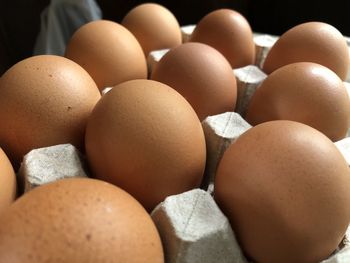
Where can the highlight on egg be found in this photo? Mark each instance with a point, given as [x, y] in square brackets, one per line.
[306, 92]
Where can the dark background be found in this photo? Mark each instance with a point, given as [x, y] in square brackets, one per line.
[20, 19]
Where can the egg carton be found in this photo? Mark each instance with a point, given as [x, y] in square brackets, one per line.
[185, 243]
[191, 225]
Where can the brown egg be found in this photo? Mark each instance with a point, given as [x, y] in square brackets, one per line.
[144, 137]
[108, 51]
[154, 26]
[78, 220]
[310, 42]
[8, 183]
[229, 32]
[202, 75]
[44, 100]
[285, 189]
[304, 92]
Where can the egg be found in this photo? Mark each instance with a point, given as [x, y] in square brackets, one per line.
[285, 188]
[44, 100]
[8, 183]
[310, 42]
[306, 92]
[144, 137]
[202, 75]
[108, 52]
[230, 33]
[78, 220]
[154, 26]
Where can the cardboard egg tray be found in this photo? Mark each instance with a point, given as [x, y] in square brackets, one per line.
[191, 225]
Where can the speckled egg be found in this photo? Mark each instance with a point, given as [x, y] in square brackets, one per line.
[285, 189]
[144, 137]
[44, 100]
[78, 220]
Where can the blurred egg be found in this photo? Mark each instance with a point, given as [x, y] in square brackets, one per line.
[304, 92]
[154, 26]
[44, 100]
[230, 33]
[285, 189]
[8, 183]
[78, 220]
[310, 42]
[202, 75]
[108, 52]
[145, 137]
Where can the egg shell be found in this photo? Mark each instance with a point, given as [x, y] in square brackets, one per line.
[230, 33]
[108, 52]
[316, 42]
[78, 220]
[8, 182]
[154, 26]
[44, 100]
[285, 189]
[306, 92]
[144, 137]
[202, 75]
